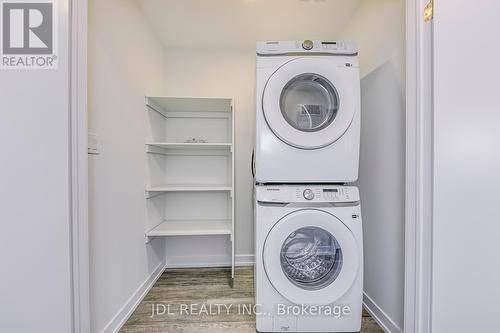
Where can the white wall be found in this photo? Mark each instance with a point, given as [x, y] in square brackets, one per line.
[238, 24]
[382, 186]
[125, 64]
[35, 290]
[231, 73]
[466, 228]
[378, 27]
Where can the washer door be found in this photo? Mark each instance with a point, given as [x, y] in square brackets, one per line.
[311, 257]
[309, 103]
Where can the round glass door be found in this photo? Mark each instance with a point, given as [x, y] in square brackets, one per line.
[309, 102]
[311, 258]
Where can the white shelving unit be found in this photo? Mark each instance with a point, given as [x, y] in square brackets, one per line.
[191, 155]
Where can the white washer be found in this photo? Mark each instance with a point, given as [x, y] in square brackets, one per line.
[308, 112]
[309, 255]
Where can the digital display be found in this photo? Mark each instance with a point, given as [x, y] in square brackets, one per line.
[329, 43]
[330, 190]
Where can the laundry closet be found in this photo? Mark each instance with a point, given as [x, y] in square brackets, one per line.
[172, 112]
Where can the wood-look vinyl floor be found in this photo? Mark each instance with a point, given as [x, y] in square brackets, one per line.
[207, 289]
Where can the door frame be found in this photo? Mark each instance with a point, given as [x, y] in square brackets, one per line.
[419, 154]
[418, 208]
[78, 137]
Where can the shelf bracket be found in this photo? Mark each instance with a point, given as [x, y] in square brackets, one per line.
[150, 195]
[148, 239]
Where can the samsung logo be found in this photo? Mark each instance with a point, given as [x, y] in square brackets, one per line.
[273, 189]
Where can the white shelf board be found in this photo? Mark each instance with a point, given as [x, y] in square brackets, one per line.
[182, 145]
[191, 228]
[190, 104]
[189, 188]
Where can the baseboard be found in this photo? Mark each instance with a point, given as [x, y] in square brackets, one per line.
[209, 261]
[384, 321]
[131, 304]
[244, 260]
[119, 319]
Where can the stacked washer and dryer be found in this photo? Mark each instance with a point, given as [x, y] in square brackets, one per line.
[308, 232]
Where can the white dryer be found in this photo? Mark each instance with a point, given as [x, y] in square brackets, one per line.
[309, 258]
[308, 112]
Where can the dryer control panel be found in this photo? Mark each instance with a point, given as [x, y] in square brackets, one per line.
[306, 193]
[307, 46]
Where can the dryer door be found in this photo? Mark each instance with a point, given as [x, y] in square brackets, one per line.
[311, 257]
[309, 102]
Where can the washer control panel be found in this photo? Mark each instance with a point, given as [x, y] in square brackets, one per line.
[306, 193]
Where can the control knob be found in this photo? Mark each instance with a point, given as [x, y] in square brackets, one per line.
[308, 194]
[308, 44]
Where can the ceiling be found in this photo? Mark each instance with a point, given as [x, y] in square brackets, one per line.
[240, 23]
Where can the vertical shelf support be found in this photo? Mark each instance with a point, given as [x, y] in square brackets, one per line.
[233, 176]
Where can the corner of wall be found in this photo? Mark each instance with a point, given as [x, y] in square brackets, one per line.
[127, 309]
[385, 322]
[126, 62]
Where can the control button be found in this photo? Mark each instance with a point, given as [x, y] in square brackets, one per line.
[308, 194]
[307, 44]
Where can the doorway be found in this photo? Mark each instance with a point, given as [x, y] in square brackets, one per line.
[180, 80]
